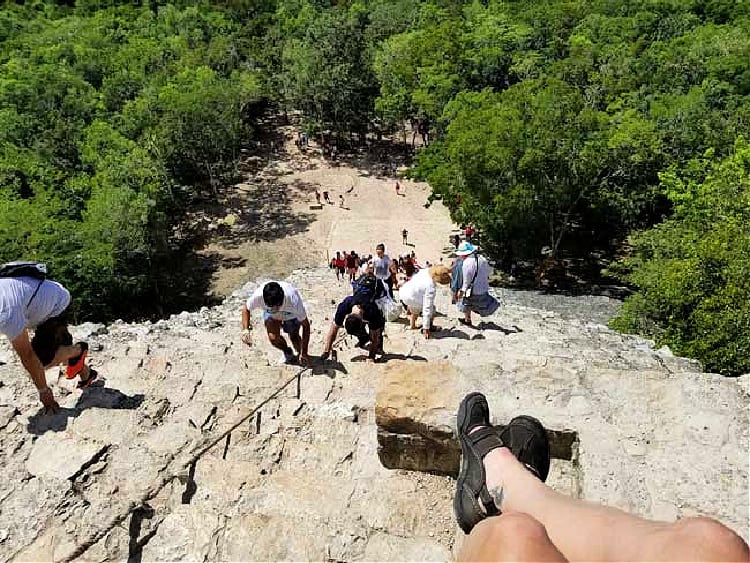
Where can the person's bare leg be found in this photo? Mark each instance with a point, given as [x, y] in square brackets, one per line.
[63, 354]
[512, 536]
[273, 328]
[296, 340]
[586, 531]
[412, 320]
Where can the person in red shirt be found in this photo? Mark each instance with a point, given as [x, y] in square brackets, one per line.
[340, 266]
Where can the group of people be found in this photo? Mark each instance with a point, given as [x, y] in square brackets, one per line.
[500, 502]
[374, 281]
[327, 198]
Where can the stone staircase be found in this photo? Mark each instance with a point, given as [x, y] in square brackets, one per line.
[146, 467]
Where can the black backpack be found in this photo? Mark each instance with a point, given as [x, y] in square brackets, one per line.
[22, 268]
[367, 289]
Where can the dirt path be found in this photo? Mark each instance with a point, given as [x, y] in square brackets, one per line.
[307, 235]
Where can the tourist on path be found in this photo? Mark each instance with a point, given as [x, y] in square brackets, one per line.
[283, 308]
[42, 304]
[382, 264]
[398, 188]
[360, 315]
[509, 514]
[340, 262]
[405, 237]
[341, 200]
[418, 296]
[326, 198]
[475, 290]
[352, 263]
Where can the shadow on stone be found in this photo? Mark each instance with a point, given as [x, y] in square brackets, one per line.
[449, 333]
[319, 367]
[135, 547]
[390, 356]
[420, 447]
[93, 397]
[491, 325]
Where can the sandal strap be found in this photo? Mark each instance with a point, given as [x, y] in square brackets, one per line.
[484, 440]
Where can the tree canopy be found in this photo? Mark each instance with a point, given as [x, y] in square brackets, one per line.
[581, 126]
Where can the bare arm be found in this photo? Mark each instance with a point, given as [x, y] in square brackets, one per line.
[245, 317]
[305, 336]
[428, 306]
[22, 346]
[332, 332]
[29, 359]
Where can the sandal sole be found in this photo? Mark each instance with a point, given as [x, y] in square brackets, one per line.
[464, 501]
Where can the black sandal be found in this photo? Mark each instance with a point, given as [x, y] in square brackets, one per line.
[527, 439]
[524, 436]
[471, 487]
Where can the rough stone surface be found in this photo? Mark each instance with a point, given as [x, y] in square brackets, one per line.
[630, 419]
[302, 478]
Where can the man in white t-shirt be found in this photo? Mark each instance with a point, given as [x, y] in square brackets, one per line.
[282, 308]
[30, 303]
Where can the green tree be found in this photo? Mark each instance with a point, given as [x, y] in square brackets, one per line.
[690, 271]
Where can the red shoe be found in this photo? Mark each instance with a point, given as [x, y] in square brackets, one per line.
[75, 365]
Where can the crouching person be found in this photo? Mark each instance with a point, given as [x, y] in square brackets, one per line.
[283, 309]
[361, 318]
[28, 302]
[418, 296]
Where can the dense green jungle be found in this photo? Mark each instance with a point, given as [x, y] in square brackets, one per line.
[589, 128]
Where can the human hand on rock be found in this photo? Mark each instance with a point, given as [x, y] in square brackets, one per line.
[48, 400]
[247, 337]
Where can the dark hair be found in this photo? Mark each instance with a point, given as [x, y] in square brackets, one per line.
[273, 294]
[381, 246]
[408, 268]
[354, 325]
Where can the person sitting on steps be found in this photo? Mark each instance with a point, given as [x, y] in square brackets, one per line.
[509, 514]
[283, 308]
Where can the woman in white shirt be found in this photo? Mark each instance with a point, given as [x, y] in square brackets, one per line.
[418, 295]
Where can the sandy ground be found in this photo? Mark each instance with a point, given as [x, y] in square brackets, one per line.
[372, 213]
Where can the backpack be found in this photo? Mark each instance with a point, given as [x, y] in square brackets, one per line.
[365, 288]
[21, 268]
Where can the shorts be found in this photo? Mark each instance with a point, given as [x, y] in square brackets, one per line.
[483, 304]
[416, 310]
[290, 327]
[49, 336]
[341, 270]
